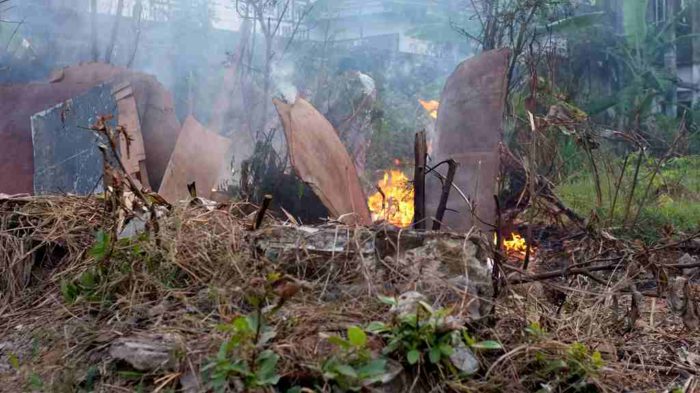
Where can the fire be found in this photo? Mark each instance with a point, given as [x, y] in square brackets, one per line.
[432, 107]
[516, 246]
[396, 205]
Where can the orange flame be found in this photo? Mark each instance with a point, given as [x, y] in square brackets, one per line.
[516, 246]
[396, 205]
[431, 106]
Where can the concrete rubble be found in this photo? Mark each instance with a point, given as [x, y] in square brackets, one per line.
[147, 352]
[448, 266]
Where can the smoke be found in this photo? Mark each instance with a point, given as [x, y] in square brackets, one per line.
[283, 74]
[190, 44]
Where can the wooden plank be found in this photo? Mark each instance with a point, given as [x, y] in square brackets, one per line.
[421, 156]
[133, 157]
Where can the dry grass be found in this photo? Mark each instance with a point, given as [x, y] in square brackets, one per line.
[197, 271]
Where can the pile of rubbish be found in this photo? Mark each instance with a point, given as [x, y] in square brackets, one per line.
[48, 147]
[109, 285]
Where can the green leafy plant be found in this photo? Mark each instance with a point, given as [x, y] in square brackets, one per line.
[91, 284]
[13, 360]
[535, 330]
[102, 247]
[35, 383]
[88, 286]
[426, 336]
[240, 356]
[354, 365]
[561, 367]
[571, 370]
[245, 358]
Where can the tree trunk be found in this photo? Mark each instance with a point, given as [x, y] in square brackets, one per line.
[695, 31]
[136, 16]
[93, 28]
[268, 80]
[670, 58]
[115, 32]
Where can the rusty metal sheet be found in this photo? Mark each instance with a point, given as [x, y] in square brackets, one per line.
[320, 160]
[159, 124]
[200, 156]
[17, 105]
[469, 130]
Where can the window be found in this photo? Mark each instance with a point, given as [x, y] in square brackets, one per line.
[659, 10]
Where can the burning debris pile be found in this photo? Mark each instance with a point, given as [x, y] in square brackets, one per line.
[136, 289]
[516, 246]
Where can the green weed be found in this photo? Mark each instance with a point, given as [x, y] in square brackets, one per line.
[425, 337]
[354, 366]
[239, 357]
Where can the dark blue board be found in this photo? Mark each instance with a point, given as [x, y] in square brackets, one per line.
[67, 159]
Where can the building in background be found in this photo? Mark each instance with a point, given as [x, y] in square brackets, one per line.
[391, 25]
[681, 52]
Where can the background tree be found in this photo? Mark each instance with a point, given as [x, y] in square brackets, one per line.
[269, 16]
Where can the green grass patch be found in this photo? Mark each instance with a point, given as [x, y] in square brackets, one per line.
[669, 198]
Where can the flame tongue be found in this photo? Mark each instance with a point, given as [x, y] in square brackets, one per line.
[516, 246]
[431, 106]
[396, 205]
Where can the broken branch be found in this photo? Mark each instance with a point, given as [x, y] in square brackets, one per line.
[447, 185]
[421, 155]
[260, 215]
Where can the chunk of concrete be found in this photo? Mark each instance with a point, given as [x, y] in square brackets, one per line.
[147, 352]
[464, 360]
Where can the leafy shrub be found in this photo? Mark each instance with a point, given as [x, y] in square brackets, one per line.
[559, 367]
[426, 336]
[240, 356]
[354, 366]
